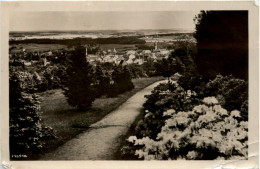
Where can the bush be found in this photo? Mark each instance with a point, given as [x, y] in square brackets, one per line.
[122, 81]
[207, 132]
[112, 90]
[136, 71]
[193, 82]
[162, 100]
[197, 121]
[233, 91]
[26, 132]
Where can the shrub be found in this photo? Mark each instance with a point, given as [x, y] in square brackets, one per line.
[26, 132]
[122, 81]
[207, 132]
[136, 71]
[233, 91]
[102, 81]
[193, 82]
[162, 100]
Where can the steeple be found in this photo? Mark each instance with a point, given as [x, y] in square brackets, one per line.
[155, 46]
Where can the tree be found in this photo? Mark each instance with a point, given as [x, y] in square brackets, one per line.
[126, 83]
[26, 132]
[222, 43]
[122, 81]
[79, 86]
[167, 68]
[103, 80]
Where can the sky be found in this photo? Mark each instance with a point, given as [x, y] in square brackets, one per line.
[65, 21]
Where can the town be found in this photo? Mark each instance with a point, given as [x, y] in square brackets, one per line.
[113, 55]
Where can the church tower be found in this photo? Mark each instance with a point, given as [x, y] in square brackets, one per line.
[155, 46]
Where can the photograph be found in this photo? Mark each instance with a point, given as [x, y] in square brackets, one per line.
[129, 85]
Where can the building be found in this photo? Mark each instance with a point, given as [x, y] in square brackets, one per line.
[130, 52]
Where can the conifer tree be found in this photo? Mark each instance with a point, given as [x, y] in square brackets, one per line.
[79, 86]
[26, 132]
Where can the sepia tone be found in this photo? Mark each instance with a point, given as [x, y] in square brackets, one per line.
[129, 85]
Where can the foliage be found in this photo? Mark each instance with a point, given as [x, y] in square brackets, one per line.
[26, 132]
[93, 48]
[162, 100]
[167, 67]
[233, 93]
[222, 43]
[122, 81]
[180, 124]
[193, 82]
[136, 71]
[144, 47]
[183, 56]
[149, 68]
[207, 132]
[79, 85]
[102, 81]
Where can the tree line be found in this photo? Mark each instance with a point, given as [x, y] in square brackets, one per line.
[72, 42]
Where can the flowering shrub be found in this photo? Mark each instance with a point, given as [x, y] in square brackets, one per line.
[208, 131]
[232, 93]
[159, 107]
[194, 82]
[193, 119]
[162, 100]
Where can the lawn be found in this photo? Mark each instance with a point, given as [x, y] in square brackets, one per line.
[67, 122]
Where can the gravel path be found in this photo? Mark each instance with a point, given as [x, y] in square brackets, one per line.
[101, 141]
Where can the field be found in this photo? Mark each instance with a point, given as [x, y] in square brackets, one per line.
[118, 47]
[67, 122]
[38, 47]
[32, 47]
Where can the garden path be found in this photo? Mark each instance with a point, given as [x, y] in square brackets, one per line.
[102, 140]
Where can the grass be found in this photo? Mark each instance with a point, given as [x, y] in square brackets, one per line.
[67, 122]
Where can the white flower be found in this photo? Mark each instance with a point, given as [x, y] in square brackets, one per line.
[210, 100]
[201, 109]
[244, 124]
[219, 110]
[148, 114]
[169, 112]
[189, 93]
[192, 155]
[132, 139]
[235, 113]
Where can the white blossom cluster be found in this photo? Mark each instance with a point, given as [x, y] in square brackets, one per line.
[208, 127]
